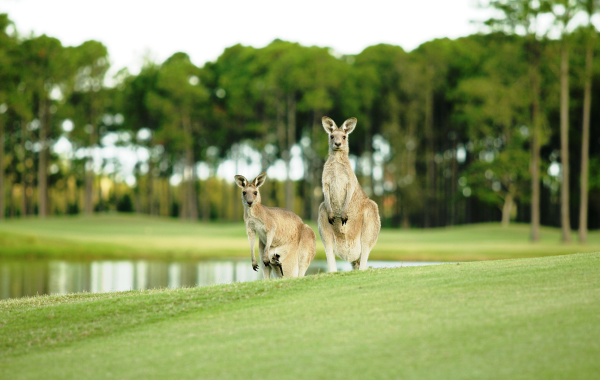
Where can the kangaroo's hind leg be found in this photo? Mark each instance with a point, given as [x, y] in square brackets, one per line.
[370, 232]
[326, 232]
[288, 266]
[265, 260]
[306, 249]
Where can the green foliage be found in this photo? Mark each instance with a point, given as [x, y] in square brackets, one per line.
[594, 173]
[125, 204]
[88, 97]
[178, 101]
[520, 16]
[507, 173]
[477, 91]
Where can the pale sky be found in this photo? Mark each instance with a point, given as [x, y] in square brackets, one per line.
[132, 29]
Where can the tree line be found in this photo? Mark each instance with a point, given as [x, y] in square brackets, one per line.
[457, 131]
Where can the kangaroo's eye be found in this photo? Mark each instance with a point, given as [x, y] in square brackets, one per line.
[332, 137]
[256, 193]
[243, 192]
[344, 137]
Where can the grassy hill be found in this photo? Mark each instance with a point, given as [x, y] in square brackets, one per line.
[130, 236]
[509, 319]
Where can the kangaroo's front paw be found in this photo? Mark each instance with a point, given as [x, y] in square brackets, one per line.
[330, 218]
[344, 218]
[255, 266]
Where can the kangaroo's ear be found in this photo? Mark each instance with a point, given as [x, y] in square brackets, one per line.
[328, 124]
[241, 181]
[260, 179]
[349, 125]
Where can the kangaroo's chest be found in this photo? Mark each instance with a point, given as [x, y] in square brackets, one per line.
[336, 176]
[259, 228]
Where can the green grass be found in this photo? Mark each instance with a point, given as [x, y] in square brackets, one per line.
[130, 236]
[509, 319]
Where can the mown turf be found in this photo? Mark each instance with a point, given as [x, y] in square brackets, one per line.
[510, 319]
[130, 236]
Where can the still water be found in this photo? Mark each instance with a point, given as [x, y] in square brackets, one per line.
[19, 278]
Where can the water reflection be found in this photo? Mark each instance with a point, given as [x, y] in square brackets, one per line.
[21, 278]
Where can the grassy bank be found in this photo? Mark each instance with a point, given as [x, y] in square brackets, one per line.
[517, 319]
[130, 236]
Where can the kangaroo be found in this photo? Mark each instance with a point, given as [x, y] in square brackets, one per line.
[349, 222]
[286, 245]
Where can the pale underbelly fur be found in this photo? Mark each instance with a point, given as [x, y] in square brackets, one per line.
[337, 191]
[346, 247]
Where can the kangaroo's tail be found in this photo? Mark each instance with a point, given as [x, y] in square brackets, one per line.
[307, 249]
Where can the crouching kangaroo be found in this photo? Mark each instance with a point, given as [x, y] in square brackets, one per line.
[286, 245]
[349, 222]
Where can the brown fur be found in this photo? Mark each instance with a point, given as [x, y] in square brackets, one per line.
[286, 245]
[349, 222]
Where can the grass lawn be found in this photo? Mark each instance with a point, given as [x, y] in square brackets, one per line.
[131, 236]
[508, 319]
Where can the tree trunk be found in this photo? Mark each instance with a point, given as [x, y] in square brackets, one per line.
[237, 206]
[150, 189]
[316, 168]
[44, 116]
[291, 134]
[24, 172]
[100, 199]
[429, 151]
[281, 140]
[585, 145]
[224, 196]
[506, 209]
[66, 194]
[88, 200]
[191, 186]
[137, 201]
[11, 200]
[535, 158]
[454, 187]
[190, 207]
[2, 207]
[564, 142]
[205, 200]
[410, 169]
[182, 199]
[88, 207]
[169, 194]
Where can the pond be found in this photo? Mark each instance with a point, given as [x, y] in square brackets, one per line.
[19, 278]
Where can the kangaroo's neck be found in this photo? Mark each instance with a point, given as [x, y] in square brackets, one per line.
[338, 156]
[254, 211]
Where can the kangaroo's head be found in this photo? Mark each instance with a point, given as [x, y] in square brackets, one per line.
[250, 193]
[338, 137]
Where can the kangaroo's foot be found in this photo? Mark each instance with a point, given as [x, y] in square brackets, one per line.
[255, 265]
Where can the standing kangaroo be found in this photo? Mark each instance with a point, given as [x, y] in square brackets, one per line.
[349, 222]
[285, 243]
